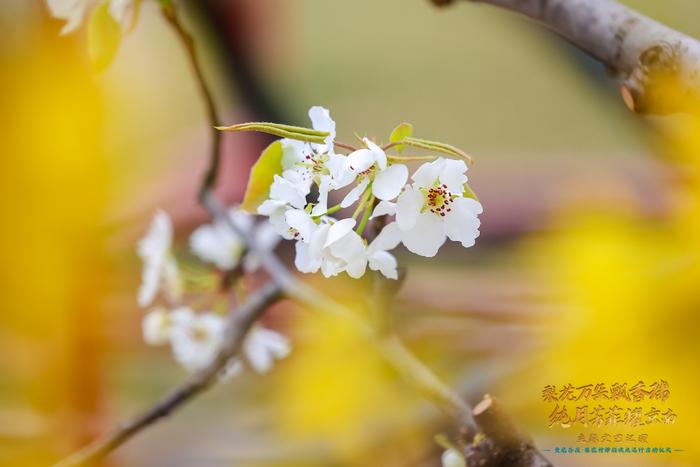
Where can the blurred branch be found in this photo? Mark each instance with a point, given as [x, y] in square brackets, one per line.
[659, 67]
[239, 322]
[171, 14]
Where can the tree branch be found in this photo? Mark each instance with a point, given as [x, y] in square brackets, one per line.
[170, 13]
[658, 67]
[239, 322]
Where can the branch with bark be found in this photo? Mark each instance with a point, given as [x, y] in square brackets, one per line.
[658, 67]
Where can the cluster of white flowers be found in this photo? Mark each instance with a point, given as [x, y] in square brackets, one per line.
[74, 11]
[197, 338]
[435, 204]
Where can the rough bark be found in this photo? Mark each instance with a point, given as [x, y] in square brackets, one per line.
[658, 67]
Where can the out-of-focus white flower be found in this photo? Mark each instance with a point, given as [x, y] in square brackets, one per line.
[333, 249]
[435, 207]
[196, 339]
[159, 266]
[217, 243]
[263, 346]
[73, 12]
[156, 327]
[452, 458]
[371, 163]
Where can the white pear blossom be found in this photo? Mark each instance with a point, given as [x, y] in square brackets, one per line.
[156, 327]
[74, 11]
[217, 243]
[452, 458]
[263, 346]
[333, 248]
[196, 339]
[159, 267]
[372, 162]
[435, 207]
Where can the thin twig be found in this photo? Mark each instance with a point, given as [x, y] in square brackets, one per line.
[239, 322]
[349, 147]
[170, 12]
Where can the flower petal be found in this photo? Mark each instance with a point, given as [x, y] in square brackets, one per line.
[323, 189]
[360, 160]
[385, 263]
[284, 190]
[408, 207]
[321, 120]
[300, 221]
[426, 237]
[383, 208]
[388, 239]
[388, 183]
[354, 194]
[427, 174]
[378, 153]
[462, 223]
[339, 230]
[453, 175]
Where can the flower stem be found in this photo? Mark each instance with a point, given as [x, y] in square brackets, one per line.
[331, 210]
[363, 200]
[365, 216]
[349, 147]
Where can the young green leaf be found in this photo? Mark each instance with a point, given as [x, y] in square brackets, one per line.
[103, 36]
[285, 131]
[261, 177]
[469, 193]
[401, 132]
[437, 147]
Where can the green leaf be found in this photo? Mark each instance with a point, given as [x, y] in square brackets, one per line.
[437, 147]
[401, 132]
[103, 36]
[278, 129]
[469, 193]
[261, 177]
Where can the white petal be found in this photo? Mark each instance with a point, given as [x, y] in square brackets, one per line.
[154, 249]
[323, 189]
[339, 230]
[453, 175]
[426, 237]
[232, 369]
[354, 194]
[321, 120]
[156, 327]
[388, 239]
[303, 260]
[388, 183]
[292, 152]
[122, 11]
[383, 208]
[428, 173]
[379, 154]
[73, 11]
[340, 173]
[256, 352]
[217, 244]
[301, 221]
[348, 248]
[408, 207]
[385, 263]
[461, 223]
[357, 267]
[474, 205]
[284, 190]
[360, 160]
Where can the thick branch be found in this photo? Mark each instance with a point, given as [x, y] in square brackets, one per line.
[659, 67]
[238, 325]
